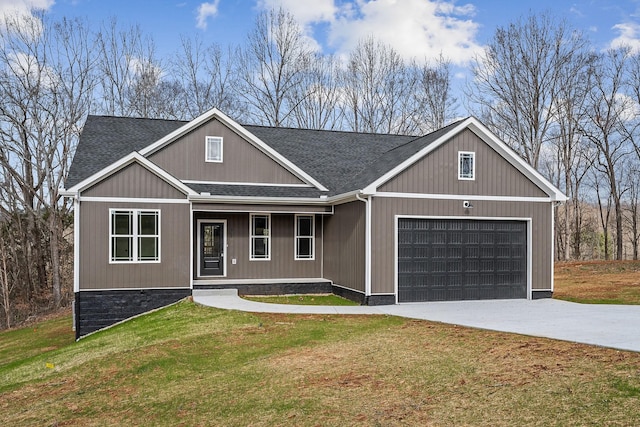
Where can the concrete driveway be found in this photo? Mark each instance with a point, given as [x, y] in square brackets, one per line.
[615, 326]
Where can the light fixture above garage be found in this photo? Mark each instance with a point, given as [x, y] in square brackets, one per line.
[467, 204]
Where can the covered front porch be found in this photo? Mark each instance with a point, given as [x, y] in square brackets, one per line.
[259, 249]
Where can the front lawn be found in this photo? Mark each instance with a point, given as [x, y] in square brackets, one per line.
[193, 365]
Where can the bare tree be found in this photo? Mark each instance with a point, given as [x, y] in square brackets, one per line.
[45, 92]
[205, 77]
[604, 127]
[436, 105]
[270, 67]
[379, 90]
[316, 98]
[518, 78]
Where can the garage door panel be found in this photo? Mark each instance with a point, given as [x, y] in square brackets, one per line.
[442, 259]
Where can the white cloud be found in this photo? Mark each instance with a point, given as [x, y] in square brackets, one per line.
[629, 35]
[205, 11]
[19, 12]
[414, 28]
[421, 29]
[23, 7]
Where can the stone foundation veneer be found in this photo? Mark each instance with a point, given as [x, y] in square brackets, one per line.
[95, 310]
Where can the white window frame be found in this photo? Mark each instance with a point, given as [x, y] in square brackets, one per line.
[134, 236]
[472, 156]
[207, 157]
[253, 236]
[298, 237]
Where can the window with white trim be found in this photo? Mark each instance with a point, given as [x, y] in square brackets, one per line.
[466, 165]
[260, 237]
[134, 235]
[213, 149]
[305, 237]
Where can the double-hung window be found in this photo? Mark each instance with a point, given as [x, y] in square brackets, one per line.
[304, 237]
[134, 235]
[213, 149]
[260, 236]
[466, 165]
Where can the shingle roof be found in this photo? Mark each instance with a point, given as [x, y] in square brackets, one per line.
[341, 161]
[106, 139]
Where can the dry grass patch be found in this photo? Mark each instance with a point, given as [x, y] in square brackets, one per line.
[604, 282]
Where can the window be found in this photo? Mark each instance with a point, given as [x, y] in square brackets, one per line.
[260, 237]
[466, 165]
[134, 235]
[213, 149]
[304, 237]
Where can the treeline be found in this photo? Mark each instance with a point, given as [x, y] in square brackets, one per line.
[568, 110]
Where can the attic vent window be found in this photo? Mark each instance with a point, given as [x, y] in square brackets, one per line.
[213, 149]
[466, 165]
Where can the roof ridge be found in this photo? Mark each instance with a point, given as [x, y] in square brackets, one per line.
[111, 116]
[328, 130]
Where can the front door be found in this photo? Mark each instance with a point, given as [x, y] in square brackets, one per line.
[211, 249]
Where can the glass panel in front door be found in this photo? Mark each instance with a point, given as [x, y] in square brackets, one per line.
[212, 249]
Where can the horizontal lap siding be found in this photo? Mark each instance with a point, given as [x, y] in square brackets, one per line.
[282, 264]
[344, 246]
[383, 232]
[97, 273]
[242, 162]
[437, 173]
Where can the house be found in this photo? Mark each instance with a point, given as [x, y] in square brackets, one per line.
[164, 207]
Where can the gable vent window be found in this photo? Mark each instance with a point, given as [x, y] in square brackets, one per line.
[134, 235]
[466, 165]
[213, 149]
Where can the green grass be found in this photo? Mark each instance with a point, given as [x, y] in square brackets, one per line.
[302, 299]
[18, 344]
[192, 365]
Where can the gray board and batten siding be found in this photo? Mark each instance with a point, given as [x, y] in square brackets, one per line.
[344, 246]
[241, 161]
[437, 173]
[97, 273]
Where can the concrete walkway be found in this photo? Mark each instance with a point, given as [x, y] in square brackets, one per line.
[615, 326]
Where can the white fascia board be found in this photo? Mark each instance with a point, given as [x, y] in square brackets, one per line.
[506, 152]
[373, 187]
[257, 142]
[490, 138]
[133, 157]
[257, 200]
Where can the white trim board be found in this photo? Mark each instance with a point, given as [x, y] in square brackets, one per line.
[97, 199]
[462, 197]
[127, 160]
[253, 184]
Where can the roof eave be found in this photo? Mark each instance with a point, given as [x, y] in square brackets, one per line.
[125, 161]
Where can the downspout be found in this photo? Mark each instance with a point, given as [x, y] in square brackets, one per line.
[76, 265]
[367, 247]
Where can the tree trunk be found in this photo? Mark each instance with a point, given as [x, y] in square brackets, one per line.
[54, 225]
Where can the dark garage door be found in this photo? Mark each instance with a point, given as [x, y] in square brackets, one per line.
[453, 259]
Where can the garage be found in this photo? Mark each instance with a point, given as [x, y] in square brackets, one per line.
[461, 259]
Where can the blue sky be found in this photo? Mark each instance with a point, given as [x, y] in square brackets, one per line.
[415, 28]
